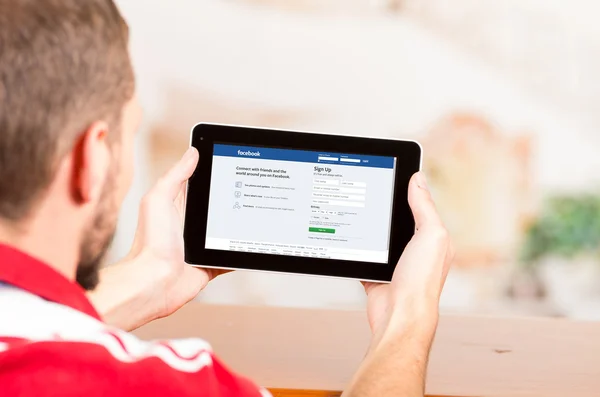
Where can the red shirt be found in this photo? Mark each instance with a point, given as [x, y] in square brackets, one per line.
[54, 343]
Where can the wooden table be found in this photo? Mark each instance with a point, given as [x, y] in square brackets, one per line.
[303, 393]
[290, 350]
[306, 393]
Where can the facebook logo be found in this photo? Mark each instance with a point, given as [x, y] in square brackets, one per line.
[248, 153]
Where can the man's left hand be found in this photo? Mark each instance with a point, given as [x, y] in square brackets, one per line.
[154, 281]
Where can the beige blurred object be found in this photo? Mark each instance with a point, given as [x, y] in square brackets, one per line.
[481, 181]
[170, 137]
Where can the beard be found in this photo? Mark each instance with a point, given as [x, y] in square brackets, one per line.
[98, 236]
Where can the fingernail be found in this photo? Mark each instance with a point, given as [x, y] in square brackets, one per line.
[188, 154]
[422, 181]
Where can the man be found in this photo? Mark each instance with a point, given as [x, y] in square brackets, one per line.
[68, 113]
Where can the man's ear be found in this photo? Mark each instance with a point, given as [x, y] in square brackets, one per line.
[91, 162]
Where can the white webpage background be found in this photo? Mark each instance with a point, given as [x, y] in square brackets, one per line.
[368, 230]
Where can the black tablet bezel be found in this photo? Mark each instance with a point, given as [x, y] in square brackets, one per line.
[407, 153]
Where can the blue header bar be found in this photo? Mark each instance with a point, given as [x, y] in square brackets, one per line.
[303, 156]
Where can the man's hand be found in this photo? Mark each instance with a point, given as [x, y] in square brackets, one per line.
[403, 315]
[154, 281]
[420, 274]
[158, 243]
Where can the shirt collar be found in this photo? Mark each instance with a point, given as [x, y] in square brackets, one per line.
[32, 275]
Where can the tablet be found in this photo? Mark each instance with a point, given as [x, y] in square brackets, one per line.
[299, 202]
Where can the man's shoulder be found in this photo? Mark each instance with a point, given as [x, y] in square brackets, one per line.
[102, 364]
[26, 319]
[116, 367]
[48, 349]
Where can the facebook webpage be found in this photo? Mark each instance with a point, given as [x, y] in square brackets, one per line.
[300, 203]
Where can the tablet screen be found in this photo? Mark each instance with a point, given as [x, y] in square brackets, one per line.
[300, 203]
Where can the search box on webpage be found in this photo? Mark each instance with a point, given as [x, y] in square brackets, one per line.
[321, 158]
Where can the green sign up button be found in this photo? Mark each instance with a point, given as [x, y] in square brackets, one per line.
[321, 230]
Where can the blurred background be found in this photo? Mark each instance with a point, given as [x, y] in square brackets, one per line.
[504, 96]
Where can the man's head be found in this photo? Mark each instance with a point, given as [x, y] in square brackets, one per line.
[68, 114]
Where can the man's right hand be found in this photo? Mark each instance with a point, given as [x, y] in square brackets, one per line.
[403, 315]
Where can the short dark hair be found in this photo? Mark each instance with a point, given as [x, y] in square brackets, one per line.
[63, 65]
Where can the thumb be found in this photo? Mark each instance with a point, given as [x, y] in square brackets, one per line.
[421, 203]
[171, 182]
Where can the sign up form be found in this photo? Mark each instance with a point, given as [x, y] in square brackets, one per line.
[300, 203]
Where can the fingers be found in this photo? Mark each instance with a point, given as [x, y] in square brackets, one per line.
[172, 182]
[447, 263]
[367, 285]
[180, 201]
[431, 247]
[421, 203]
[214, 273]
